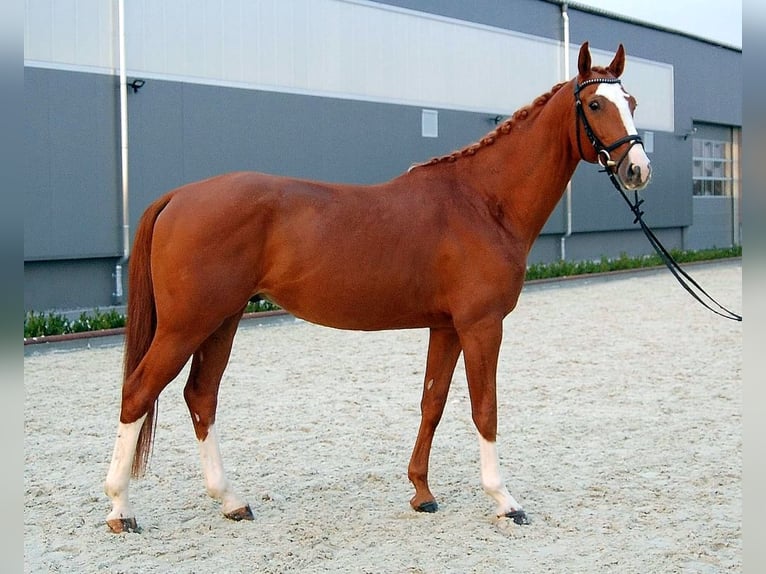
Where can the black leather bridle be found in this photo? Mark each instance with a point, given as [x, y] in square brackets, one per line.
[610, 167]
[603, 151]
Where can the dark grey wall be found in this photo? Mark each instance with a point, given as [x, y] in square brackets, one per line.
[68, 283]
[714, 224]
[185, 132]
[594, 245]
[181, 132]
[72, 169]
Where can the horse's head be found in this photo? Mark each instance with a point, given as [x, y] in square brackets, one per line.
[605, 129]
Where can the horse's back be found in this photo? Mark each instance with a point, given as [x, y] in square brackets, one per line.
[342, 255]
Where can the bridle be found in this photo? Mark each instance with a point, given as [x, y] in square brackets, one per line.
[603, 151]
[610, 167]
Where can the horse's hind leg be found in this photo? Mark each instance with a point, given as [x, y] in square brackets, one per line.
[163, 361]
[122, 517]
[443, 352]
[201, 394]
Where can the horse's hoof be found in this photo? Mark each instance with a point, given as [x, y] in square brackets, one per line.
[119, 525]
[244, 513]
[518, 516]
[429, 506]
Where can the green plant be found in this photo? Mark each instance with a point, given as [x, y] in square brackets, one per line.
[98, 321]
[260, 306]
[42, 325]
[623, 262]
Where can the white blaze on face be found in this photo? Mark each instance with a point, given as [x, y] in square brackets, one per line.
[615, 94]
[636, 156]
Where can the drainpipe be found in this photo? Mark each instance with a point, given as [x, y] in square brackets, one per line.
[568, 193]
[117, 296]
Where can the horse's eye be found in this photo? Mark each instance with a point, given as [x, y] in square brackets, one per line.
[594, 105]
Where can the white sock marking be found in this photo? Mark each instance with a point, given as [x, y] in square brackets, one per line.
[216, 483]
[491, 481]
[118, 478]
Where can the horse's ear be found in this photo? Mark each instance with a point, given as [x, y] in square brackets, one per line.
[618, 62]
[583, 61]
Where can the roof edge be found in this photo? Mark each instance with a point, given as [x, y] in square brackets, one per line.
[630, 20]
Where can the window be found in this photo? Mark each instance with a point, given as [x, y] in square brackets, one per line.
[713, 169]
[429, 123]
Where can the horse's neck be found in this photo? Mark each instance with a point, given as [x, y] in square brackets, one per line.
[526, 171]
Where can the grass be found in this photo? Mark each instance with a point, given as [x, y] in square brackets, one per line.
[623, 262]
[46, 324]
[43, 325]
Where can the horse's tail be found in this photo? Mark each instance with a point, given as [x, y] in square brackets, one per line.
[141, 321]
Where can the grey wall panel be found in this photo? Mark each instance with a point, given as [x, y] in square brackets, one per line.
[547, 248]
[595, 245]
[588, 246]
[156, 147]
[186, 132]
[597, 206]
[713, 223]
[71, 146]
[67, 284]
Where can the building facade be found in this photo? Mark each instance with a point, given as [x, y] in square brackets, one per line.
[121, 110]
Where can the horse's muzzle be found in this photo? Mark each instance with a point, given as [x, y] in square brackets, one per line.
[635, 171]
[638, 176]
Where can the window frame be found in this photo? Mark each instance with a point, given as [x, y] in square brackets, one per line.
[713, 169]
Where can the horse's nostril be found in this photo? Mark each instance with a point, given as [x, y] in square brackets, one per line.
[634, 171]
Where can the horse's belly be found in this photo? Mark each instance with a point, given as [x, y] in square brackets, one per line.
[354, 303]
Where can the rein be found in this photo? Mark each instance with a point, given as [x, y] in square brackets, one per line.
[610, 167]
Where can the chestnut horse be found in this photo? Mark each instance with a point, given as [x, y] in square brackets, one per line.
[442, 246]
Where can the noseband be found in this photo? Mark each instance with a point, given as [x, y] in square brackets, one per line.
[602, 150]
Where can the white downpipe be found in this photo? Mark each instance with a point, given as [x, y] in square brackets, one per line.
[568, 192]
[117, 296]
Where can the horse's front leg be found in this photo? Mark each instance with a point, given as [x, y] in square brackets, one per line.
[443, 352]
[481, 347]
[201, 394]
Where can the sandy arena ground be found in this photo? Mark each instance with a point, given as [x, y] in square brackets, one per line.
[619, 430]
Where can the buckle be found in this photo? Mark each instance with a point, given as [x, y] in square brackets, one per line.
[605, 160]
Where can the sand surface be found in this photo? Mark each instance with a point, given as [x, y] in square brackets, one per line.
[619, 430]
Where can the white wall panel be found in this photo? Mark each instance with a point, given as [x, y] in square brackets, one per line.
[339, 48]
[76, 33]
[651, 83]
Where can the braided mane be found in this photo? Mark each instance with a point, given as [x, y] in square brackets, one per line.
[503, 129]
